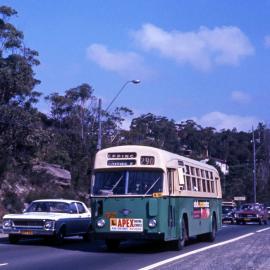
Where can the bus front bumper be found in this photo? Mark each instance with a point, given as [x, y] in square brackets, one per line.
[127, 236]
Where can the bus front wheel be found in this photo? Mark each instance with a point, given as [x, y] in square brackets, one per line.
[180, 243]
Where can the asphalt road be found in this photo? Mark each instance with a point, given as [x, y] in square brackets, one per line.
[236, 247]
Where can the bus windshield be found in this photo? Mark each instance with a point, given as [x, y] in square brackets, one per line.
[128, 182]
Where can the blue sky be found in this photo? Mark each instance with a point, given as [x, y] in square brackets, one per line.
[202, 60]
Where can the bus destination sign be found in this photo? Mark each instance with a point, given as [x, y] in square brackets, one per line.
[122, 155]
[121, 162]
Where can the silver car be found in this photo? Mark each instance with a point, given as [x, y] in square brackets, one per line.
[49, 219]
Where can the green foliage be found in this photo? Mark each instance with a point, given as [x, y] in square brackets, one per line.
[68, 137]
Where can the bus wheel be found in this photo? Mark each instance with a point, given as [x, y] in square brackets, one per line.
[180, 243]
[112, 244]
[211, 236]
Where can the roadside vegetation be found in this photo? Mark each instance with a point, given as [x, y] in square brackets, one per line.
[68, 135]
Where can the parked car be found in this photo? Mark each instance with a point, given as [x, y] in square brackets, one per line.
[251, 212]
[49, 219]
[228, 213]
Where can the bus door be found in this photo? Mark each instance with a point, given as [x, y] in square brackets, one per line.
[171, 205]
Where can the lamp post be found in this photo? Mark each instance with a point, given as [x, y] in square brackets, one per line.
[254, 167]
[99, 142]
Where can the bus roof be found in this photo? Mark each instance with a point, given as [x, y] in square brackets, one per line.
[165, 156]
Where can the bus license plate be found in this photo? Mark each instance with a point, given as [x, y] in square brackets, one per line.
[126, 225]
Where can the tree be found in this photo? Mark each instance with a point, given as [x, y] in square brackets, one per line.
[16, 64]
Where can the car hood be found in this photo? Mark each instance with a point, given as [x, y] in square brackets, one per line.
[34, 215]
[248, 212]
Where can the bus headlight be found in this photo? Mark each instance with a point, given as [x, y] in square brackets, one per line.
[49, 225]
[152, 223]
[7, 223]
[101, 223]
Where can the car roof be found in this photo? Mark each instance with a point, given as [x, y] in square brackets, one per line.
[57, 200]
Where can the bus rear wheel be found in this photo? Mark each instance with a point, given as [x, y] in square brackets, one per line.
[211, 236]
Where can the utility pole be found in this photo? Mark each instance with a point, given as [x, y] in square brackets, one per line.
[254, 166]
[99, 141]
[99, 125]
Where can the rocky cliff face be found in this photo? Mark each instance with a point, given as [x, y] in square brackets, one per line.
[43, 180]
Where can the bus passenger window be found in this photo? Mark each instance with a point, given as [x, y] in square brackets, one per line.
[194, 185]
[192, 171]
[199, 184]
[208, 185]
[204, 185]
[198, 172]
[207, 174]
[211, 175]
[212, 187]
[187, 170]
[202, 173]
[188, 183]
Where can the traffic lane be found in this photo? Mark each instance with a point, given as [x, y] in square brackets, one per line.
[251, 252]
[36, 254]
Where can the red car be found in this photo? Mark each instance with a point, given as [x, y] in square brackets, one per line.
[251, 212]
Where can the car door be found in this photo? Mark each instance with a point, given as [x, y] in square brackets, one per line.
[84, 218]
[73, 220]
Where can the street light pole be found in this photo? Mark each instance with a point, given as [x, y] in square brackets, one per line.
[99, 143]
[254, 167]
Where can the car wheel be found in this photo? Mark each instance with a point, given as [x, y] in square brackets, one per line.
[59, 236]
[112, 244]
[260, 222]
[13, 239]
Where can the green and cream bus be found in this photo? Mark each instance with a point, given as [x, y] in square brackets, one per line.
[140, 192]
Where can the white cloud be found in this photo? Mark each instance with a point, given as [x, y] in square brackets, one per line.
[220, 121]
[202, 49]
[267, 41]
[124, 63]
[240, 97]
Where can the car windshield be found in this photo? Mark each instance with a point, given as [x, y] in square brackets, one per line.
[49, 206]
[128, 182]
[227, 209]
[250, 207]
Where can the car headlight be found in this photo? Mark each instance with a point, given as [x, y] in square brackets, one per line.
[49, 225]
[7, 223]
[101, 223]
[152, 223]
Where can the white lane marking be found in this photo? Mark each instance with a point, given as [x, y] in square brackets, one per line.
[152, 266]
[3, 264]
[262, 230]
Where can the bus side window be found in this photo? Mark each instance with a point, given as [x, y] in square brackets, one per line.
[181, 179]
[170, 177]
[188, 184]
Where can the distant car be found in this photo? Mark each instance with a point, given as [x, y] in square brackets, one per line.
[251, 212]
[49, 219]
[268, 211]
[228, 213]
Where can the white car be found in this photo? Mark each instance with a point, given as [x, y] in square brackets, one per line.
[49, 218]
